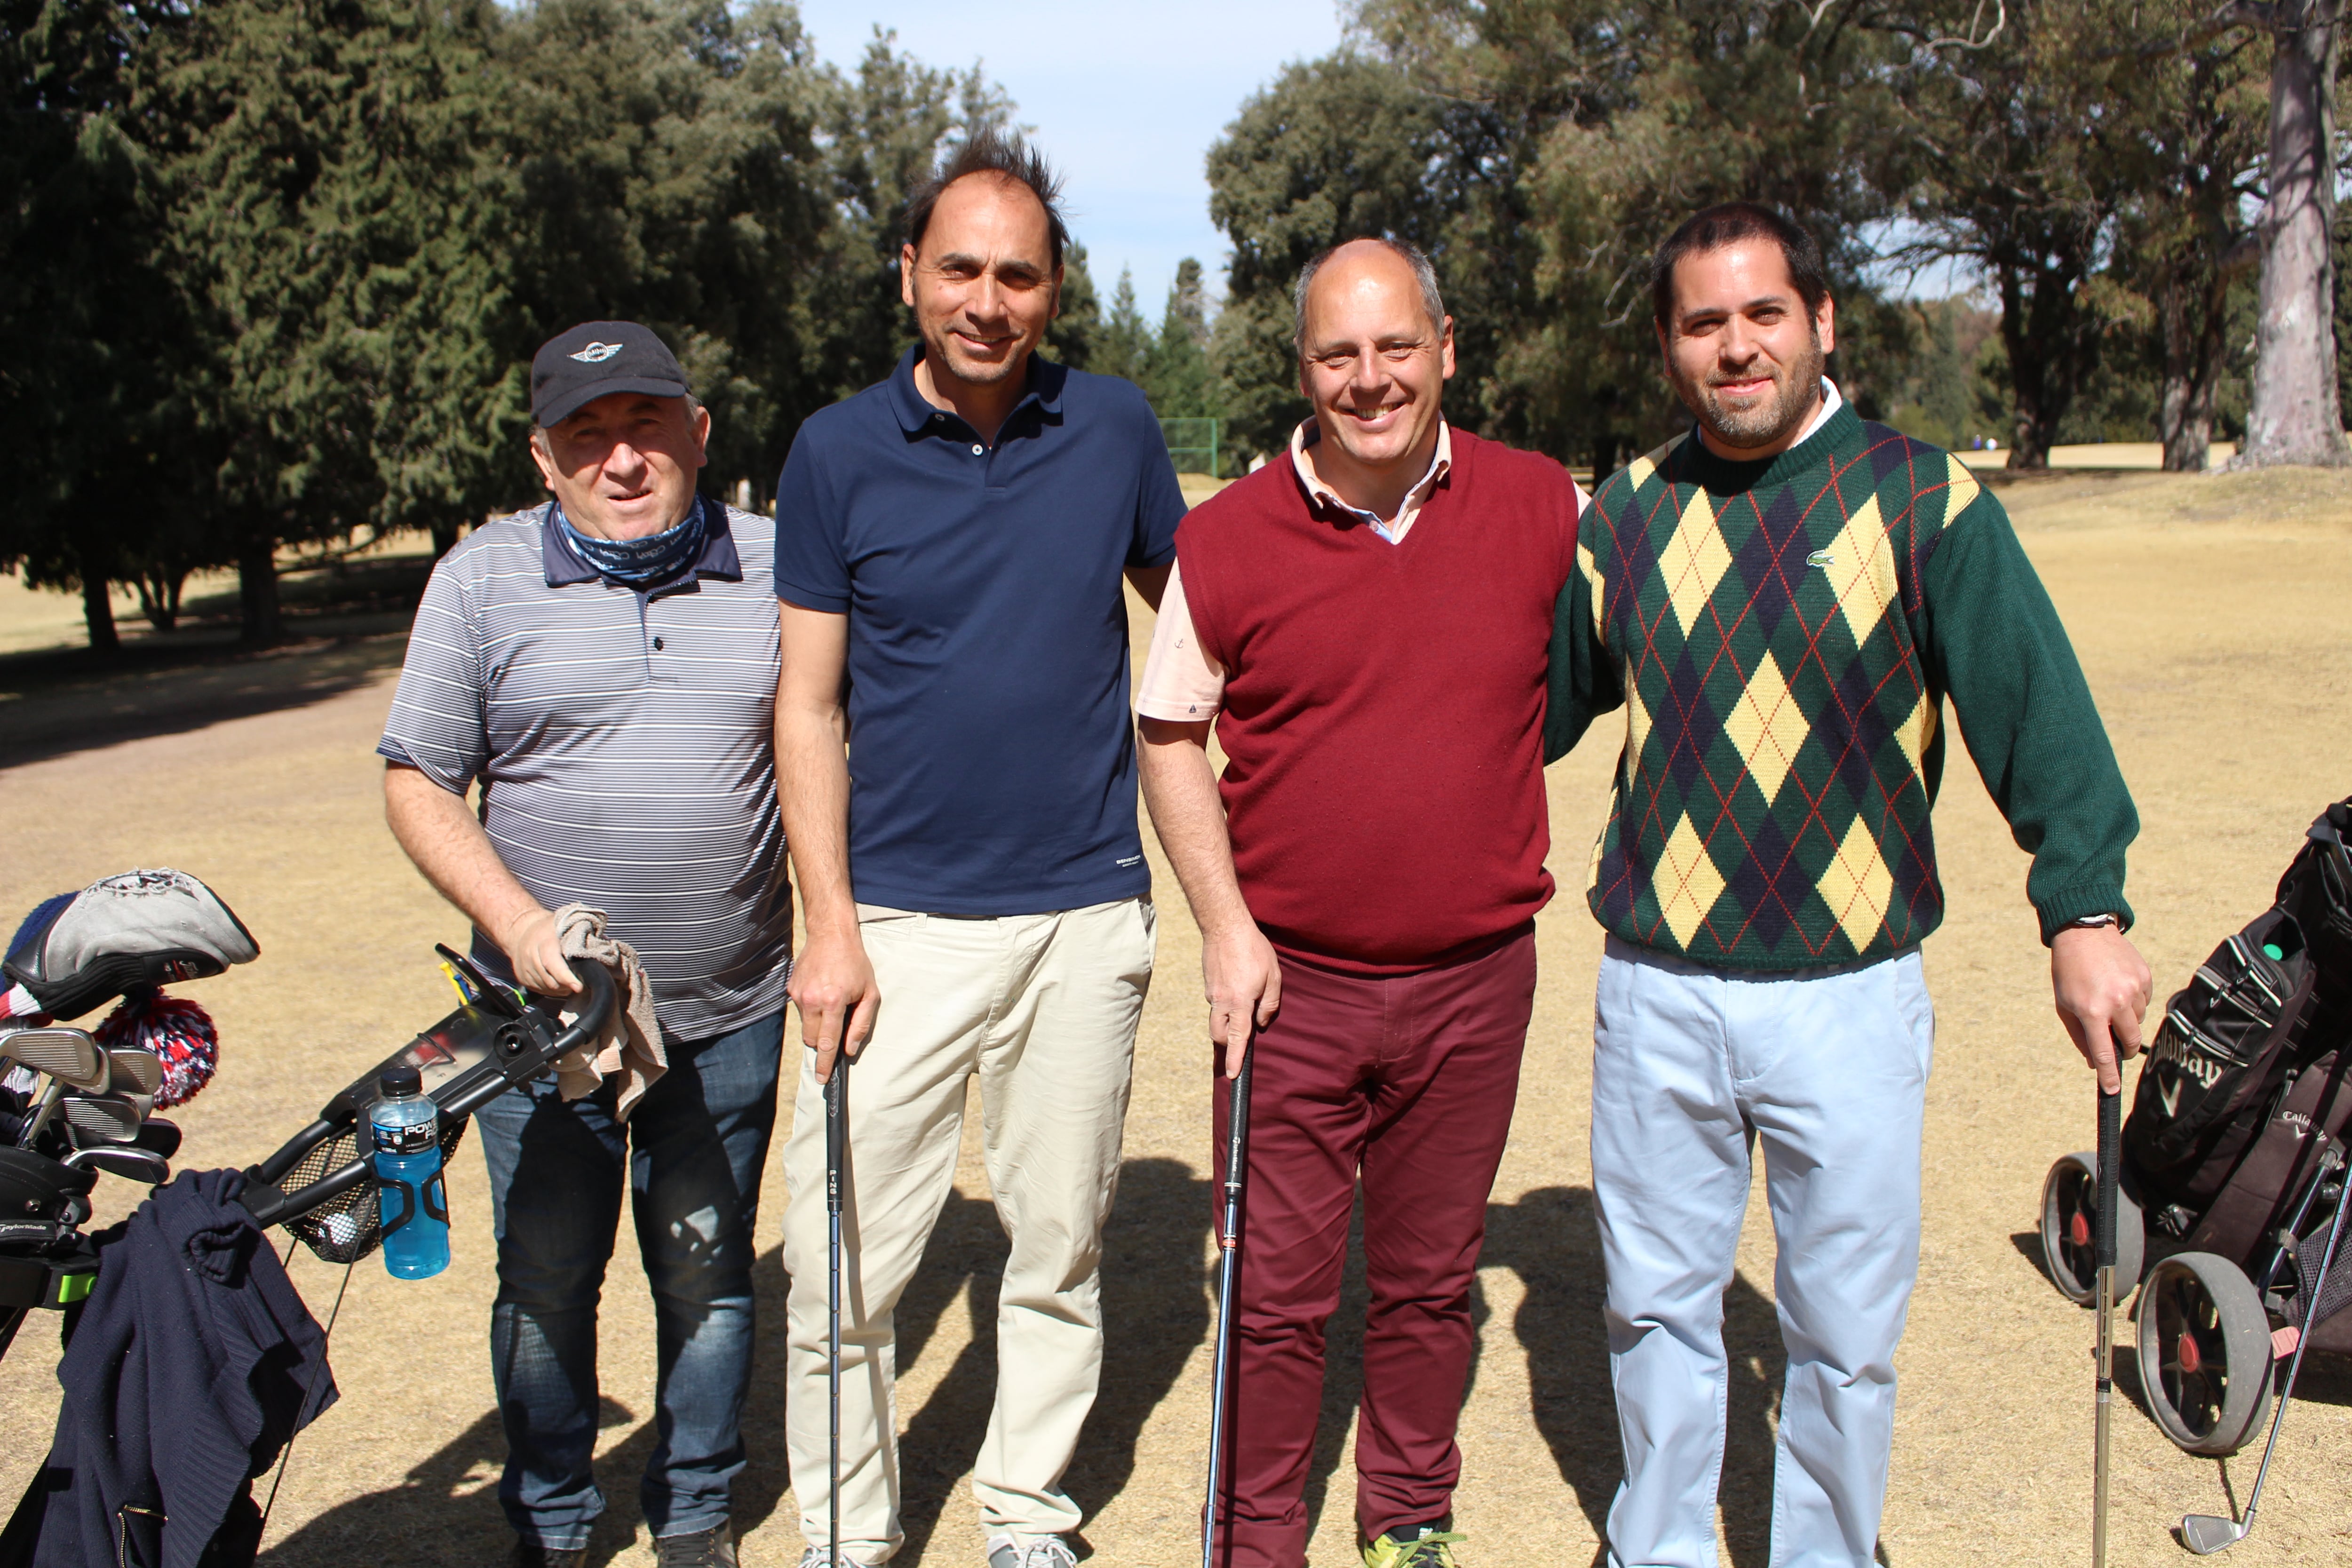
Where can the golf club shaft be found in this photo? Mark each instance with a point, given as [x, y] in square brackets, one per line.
[2110, 1188]
[2302, 1343]
[1229, 1242]
[51, 1098]
[837, 1142]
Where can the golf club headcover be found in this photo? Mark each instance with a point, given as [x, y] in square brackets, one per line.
[139, 929]
[174, 1030]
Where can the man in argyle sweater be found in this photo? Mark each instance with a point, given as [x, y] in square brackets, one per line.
[1781, 599]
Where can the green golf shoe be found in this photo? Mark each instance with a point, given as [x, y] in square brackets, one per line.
[1414, 1546]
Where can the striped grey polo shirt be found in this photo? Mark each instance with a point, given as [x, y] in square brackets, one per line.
[626, 746]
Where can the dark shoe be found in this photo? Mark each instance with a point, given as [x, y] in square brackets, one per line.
[713, 1548]
[531, 1555]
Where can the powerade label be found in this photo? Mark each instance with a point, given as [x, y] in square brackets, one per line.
[414, 1140]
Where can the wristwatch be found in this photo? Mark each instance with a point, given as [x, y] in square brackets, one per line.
[2087, 922]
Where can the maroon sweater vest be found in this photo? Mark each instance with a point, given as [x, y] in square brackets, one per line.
[1385, 703]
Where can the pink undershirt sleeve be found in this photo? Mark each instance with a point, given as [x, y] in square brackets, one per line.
[1181, 683]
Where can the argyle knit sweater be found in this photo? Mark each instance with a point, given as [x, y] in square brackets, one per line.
[1783, 635]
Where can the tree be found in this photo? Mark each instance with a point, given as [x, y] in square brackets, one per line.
[1074, 337]
[1177, 376]
[1126, 341]
[91, 338]
[2295, 416]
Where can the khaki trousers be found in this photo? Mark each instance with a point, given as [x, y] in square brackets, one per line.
[1043, 1008]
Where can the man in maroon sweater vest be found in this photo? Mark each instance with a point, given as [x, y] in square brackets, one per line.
[1366, 624]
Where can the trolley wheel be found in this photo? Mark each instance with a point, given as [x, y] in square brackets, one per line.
[2204, 1353]
[2070, 1227]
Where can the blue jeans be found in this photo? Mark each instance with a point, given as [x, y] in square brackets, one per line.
[1691, 1069]
[693, 1150]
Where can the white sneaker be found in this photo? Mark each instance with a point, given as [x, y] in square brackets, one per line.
[1038, 1552]
[814, 1557]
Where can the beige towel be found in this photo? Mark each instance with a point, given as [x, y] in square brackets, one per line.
[631, 1042]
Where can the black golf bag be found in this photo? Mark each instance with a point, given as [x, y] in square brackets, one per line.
[2248, 1083]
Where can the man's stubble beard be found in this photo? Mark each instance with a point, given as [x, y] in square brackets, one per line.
[1782, 414]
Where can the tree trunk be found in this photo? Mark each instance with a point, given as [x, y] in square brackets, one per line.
[444, 536]
[257, 591]
[2294, 418]
[2034, 422]
[97, 610]
[2193, 321]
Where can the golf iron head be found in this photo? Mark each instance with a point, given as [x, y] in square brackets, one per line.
[2205, 1533]
[141, 1165]
[69, 1056]
[135, 1072]
[93, 1118]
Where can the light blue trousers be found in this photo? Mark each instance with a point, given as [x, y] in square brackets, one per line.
[1691, 1067]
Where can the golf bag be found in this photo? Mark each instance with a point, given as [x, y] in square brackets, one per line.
[2248, 1081]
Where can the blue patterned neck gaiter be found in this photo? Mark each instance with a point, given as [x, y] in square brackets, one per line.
[640, 563]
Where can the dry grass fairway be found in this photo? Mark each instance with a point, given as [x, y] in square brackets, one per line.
[2211, 615]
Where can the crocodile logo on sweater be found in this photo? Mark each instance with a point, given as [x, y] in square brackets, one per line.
[1820, 558]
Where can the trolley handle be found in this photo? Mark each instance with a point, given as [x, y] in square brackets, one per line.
[270, 1206]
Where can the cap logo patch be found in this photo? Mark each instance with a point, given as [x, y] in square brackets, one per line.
[597, 354]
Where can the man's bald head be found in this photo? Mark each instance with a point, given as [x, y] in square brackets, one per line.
[1347, 263]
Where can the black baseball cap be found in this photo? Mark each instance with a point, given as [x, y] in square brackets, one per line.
[586, 362]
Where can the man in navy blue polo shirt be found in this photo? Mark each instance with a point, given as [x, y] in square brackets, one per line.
[949, 547]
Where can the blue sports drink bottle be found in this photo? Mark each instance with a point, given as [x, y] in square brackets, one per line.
[412, 1204]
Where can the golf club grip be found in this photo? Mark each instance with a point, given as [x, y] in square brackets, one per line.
[1237, 1135]
[2110, 1139]
[836, 1116]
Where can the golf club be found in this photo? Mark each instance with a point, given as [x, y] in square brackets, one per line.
[69, 1057]
[1229, 1243]
[139, 1165]
[836, 1147]
[2205, 1533]
[137, 1074]
[2111, 1112]
[101, 1118]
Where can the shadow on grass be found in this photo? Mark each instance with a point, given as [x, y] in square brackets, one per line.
[445, 1511]
[1548, 1238]
[345, 628]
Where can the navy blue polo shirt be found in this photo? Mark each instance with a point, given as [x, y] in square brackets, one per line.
[991, 766]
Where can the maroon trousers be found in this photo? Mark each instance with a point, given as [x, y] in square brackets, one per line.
[1407, 1081]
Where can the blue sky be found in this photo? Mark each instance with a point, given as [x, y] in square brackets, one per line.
[1125, 96]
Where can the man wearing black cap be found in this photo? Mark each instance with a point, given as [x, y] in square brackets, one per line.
[604, 666]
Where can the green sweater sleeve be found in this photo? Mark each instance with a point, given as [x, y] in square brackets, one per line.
[1992, 639]
[1582, 683]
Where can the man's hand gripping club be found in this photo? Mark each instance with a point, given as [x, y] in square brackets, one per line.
[2100, 985]
[833, 986]
[1238, 967]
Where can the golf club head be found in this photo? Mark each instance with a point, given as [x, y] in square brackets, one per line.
[92, 1118]
[134, 1071]
[2205, 1533]
[141, 1165]
[69, 1056]
[159, 1135]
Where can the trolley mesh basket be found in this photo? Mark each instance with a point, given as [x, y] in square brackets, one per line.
[349, 1226]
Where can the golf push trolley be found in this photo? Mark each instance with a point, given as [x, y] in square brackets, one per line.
[87, 1109]
[2229, 1177]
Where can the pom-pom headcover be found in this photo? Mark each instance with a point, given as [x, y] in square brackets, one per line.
[177, 1032]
